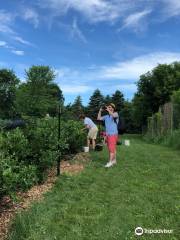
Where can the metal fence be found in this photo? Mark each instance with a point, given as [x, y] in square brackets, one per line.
[164, 121]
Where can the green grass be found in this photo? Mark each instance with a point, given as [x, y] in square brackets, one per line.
[106, 204]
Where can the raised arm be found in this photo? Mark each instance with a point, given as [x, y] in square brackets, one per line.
[113, 114]
[99, 117]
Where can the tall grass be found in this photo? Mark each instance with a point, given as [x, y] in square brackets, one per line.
[172, 140]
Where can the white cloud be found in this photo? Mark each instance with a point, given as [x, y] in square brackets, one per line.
[133, 68]
[31, 15]
[21, 40]
[93, 10]
[121, 75]
[3, 44]
[6, 20]
[18, 52]
[134, 20]
[76, 32]
[125, 73]
[171, 8]
[75, 89]
[66, 74]
[131, 12]
[130, 87]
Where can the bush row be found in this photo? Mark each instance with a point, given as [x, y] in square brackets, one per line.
[26, 154]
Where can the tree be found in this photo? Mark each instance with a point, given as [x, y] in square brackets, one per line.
[107, 99]
[126, 116]
[77, 107]
[8, 84]
[155, 89]
[118, 100]
[96, 101]
[39, 95]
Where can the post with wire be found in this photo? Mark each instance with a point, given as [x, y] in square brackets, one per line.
[59, 137]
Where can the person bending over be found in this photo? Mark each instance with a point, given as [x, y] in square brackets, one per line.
[93, 130]
[111, 120]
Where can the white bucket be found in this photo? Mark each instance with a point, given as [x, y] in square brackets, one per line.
[127, 142]
[86, 149]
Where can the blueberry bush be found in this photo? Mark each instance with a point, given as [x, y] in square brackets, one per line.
[26, 154]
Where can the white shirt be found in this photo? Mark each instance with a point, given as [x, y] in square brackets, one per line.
[89, 122]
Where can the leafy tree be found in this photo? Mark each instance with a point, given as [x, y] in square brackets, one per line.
[8, 84]
[39, 95]
[40, 76]
[118, 100]
[155, 89]
[96, 101]
[139, 111]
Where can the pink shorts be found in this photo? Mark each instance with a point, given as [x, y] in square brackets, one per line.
[111, 142]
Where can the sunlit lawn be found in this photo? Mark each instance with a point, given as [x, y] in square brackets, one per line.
[106, 204]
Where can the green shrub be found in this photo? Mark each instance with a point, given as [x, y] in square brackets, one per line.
[14, 144]
[15, 176]
[3, 123]
[27, 154]
[42, 135]
[72, 130]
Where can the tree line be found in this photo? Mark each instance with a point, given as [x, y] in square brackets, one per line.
[39, 95]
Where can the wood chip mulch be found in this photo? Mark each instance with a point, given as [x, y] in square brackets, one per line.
[8, 208]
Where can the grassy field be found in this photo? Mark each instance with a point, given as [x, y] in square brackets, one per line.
[106, 204]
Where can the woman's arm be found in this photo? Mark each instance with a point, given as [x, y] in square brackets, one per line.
[99, 117]
[113, 114]
[86, 127]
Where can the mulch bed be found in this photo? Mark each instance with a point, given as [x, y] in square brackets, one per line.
[72, 164]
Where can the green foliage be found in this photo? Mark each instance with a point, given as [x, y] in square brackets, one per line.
[172, 140]
[3, 123]
[107, 99]
[176, 104]
[14, 144]
[15, 176]
[74, 136]
[155, 89]
[27, 154]
[96, 101]
[169, 140]
[141, 190]
[8, 84]
[16, 173]
[127, 114]
[176, 97]
[39, 95]
[77, 107]
[118, 100]
[163, 126]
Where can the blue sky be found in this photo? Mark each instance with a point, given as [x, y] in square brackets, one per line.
[105, 44]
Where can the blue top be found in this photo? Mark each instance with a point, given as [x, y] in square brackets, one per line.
[110, 124]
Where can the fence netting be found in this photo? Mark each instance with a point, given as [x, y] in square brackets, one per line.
[164, 121]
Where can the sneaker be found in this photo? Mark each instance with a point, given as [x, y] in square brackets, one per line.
[109, 164]
[114, 162]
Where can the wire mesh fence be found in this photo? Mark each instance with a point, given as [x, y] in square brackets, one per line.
[164, 121]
